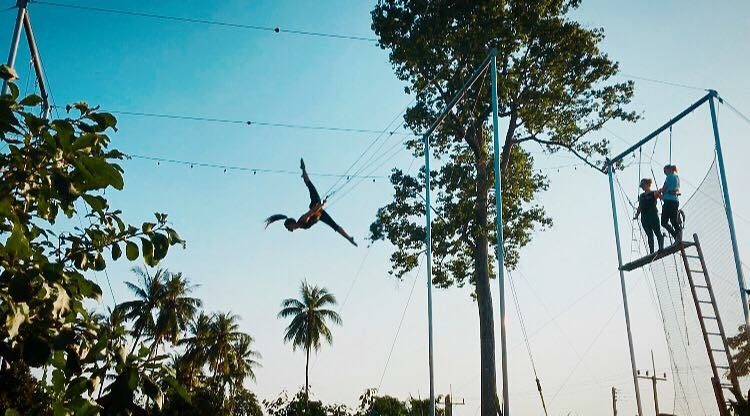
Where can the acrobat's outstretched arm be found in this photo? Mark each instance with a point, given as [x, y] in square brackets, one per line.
[331, 223]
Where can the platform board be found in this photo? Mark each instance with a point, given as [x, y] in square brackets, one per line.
[668, 251]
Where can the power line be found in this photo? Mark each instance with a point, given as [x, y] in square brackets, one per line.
[274, 29]
[394, 132]
[227, 168]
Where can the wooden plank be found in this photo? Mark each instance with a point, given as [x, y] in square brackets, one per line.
[668, 251]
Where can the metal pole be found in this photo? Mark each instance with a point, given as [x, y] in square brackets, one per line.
[428, 242]
[21, 4]
[624, 290]
[37, 65]
[499, 226]
[728, 210]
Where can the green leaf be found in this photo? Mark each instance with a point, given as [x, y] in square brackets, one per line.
[161, 245]
[177, 387]
[31, 100]
[36, 351]
[99, 263]
[147, 227]
[102, 173]
[174, 238]
[97, 203]
[62, 302]
[7, 73]
[152, 390]
[17, 244]
[131, 250]
[12, 412]
[148, 252]
[17, 315]
[116, 251]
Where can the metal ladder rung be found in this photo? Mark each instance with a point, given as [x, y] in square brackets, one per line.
[714, 334]
[692, 256]
[726, 367]
[696, 271]
[700, 286]
[706, 302]
[709, 317]
[715, 350]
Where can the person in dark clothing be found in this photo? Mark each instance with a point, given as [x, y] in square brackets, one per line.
[649, 214]
[670, 211]
[313, 215]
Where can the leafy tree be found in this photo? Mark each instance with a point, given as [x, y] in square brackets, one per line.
[49, 169]
[555, 92]
[207, 399]
[299, 405]
[20, 391]
[309, 316]
[741, 355]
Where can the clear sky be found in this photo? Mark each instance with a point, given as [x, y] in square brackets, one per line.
[567, 286]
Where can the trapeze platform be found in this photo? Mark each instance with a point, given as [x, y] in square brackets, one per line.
[648, 259]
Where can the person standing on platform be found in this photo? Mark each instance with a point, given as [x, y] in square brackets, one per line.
[649, 214]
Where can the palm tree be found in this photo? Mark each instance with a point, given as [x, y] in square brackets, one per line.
[196, 346]
[162, 308]
[174, 310]
[308, 326]
[223, 334]
[141, 310]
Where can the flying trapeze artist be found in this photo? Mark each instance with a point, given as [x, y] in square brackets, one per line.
[313, 215]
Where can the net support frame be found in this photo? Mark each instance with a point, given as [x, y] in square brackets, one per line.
[608, 168]
[428, 220]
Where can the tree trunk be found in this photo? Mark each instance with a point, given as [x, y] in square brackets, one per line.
[307, 374]
[484, 295]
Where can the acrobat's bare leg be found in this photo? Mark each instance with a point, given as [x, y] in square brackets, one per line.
[347, 236]
[325, 218]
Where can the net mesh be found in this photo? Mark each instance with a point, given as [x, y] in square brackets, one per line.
[691, 370]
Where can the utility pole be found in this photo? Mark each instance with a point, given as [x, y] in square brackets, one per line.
[614, 401]
[654, 380]
[449, 403]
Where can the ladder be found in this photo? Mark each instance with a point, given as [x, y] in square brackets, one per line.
[712, 328]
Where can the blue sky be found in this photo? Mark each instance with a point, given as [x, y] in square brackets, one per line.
[567, 288]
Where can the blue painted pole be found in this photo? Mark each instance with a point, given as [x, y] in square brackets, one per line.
[623, 288]
[728, 209]
[21, 4]
[499, 226]
[428, 242]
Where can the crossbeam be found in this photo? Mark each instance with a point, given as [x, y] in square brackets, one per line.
[665, 126]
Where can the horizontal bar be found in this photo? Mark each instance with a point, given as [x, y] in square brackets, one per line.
[658, 131]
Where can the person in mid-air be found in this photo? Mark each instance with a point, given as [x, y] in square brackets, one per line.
[649, 214]
[670, 211]
[313, 215]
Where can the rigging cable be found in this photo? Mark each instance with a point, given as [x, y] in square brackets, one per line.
[525, 337]
[275, 29]
[400, 323]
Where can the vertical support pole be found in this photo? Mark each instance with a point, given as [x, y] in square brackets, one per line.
[623, 288]
[428, 242]
[728, 210]
[614, 401]
[21, 4]
[37, 61]
[499, 226]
